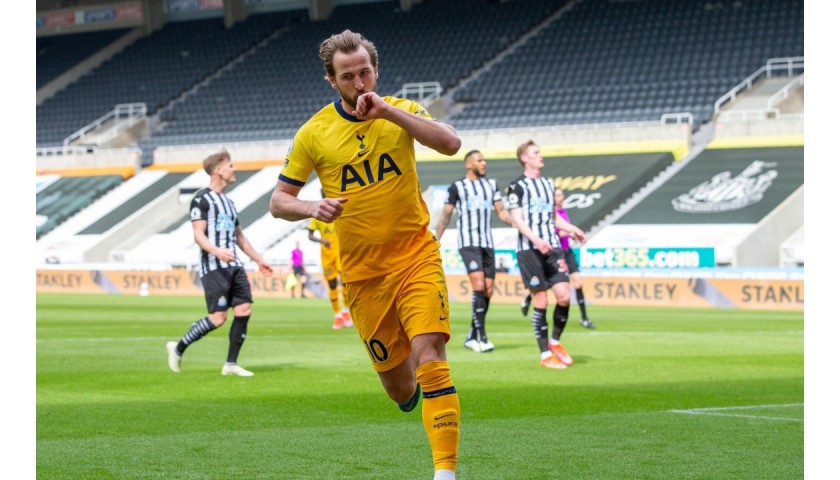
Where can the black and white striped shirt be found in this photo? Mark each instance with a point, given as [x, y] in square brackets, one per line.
[222, 219]
[474, 200]
[535, 196]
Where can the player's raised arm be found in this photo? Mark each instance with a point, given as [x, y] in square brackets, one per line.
[438, 136]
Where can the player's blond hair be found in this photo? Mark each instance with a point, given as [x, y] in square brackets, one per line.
[520, 150]
[345, 42]
[210, 163]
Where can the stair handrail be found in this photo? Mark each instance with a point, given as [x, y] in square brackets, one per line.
[121, 110]
[787, 64]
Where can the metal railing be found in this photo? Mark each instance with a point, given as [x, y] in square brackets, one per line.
[785, 92]
[120, 111]
[788, 65]
[420, 91]
[682, 117]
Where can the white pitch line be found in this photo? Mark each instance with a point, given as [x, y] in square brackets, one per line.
[714, 411]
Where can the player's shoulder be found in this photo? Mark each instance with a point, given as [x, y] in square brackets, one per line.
[200, 194]
[518, 179]
[318, 120]
[457, 181]
[406, 104]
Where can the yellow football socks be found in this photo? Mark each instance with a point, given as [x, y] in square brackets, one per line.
[441, 413]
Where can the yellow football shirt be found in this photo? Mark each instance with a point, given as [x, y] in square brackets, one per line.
[385, 221]
[326, 232]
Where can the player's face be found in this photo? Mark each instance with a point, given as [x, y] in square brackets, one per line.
[532, 158]
[228, 172]
[354, 75]
[477, 165]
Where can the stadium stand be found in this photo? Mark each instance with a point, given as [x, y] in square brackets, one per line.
[59, 54]
[605, 61]
[187, 51]
[65, 197]
[284, 87]
[544, 66]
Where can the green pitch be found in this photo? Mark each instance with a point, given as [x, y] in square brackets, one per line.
[653, 394]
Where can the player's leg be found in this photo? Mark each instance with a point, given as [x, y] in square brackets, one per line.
[577, 283]
[477, 335]
[215, 289]
[532, 271]
[440, 405]
[345, 311]
[488, 294]
[559, 280]
[471, 257]
[331, 276]
[423, 310]
[387, 310]
[423, 307]
[338, 317]
[236, 336]
[241, 298]
[488, 259]
[561, 317]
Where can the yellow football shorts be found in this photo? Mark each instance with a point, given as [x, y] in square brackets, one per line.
[392, 309]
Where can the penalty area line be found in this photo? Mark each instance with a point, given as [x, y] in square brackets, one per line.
[722, 411]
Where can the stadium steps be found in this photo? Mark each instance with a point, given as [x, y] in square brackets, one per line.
[65, 238]
[66, 196]
[176, 246]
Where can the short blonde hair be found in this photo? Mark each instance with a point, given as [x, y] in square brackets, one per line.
[210, 163]
[520, 150]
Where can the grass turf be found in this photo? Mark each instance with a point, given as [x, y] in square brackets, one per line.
[653, 393]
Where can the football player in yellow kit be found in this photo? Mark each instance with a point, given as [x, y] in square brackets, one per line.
[331, 265]
[362, 148]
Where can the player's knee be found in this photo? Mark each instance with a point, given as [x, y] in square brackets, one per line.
[403, 391]
[563, 300]
[429, 348]
[218, 318]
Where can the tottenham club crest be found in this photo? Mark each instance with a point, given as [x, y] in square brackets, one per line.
[723, 193]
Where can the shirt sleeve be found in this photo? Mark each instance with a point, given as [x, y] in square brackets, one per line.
[515, 194]
[198, 209]
[412, 106]
[299, 163]
[497, 195]
[453, 194]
